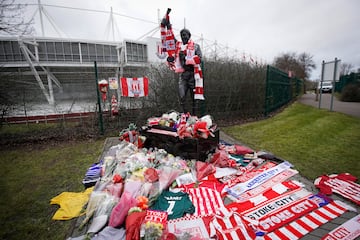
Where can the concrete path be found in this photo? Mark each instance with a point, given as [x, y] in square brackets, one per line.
[349, 108]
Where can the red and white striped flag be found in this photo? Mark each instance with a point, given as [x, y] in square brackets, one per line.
[135, 87]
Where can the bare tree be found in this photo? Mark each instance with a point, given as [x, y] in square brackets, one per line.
[12, 20]
[301, 64]
[307, 63]
[288, 62]
[346, 68]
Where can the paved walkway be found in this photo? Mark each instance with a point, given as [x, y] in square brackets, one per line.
[349, 108]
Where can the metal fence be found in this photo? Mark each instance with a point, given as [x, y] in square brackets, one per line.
[234, 91]
[345, 80]
[280, 89]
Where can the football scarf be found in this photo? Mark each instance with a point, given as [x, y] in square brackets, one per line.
[167, 42]
[288, 214]
[240, 188]
[349, 230]
[342, 184]
[232, 180]
[267, 185]
[173, 48]
[228, 225]
[276, 204]
[191, 59]
[309, 222]
[275, 191]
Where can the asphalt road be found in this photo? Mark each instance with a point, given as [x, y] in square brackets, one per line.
[349, 108]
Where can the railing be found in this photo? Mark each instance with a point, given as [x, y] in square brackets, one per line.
[52, 118]
[280, 89]
[346, 79]
[233, 92]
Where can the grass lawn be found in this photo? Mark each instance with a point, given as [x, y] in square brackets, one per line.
[315, 140]
[30, 177]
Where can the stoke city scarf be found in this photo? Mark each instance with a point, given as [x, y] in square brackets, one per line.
[191, 59]
[172, 48]
[309, 222]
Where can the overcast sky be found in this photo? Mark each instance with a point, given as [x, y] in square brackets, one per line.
[262, 28]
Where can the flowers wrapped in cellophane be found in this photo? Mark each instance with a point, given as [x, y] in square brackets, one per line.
[166, 176]
[102, 213]
[95, 199]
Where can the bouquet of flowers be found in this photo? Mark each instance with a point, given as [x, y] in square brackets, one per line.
[154, 225]
[94, 202]
[120, 211]
[166, 176]
[108, 167]
[152, 231]
[102, 213]
[133, 223]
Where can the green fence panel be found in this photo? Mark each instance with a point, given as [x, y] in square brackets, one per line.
[280, 89]
[346, 79]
